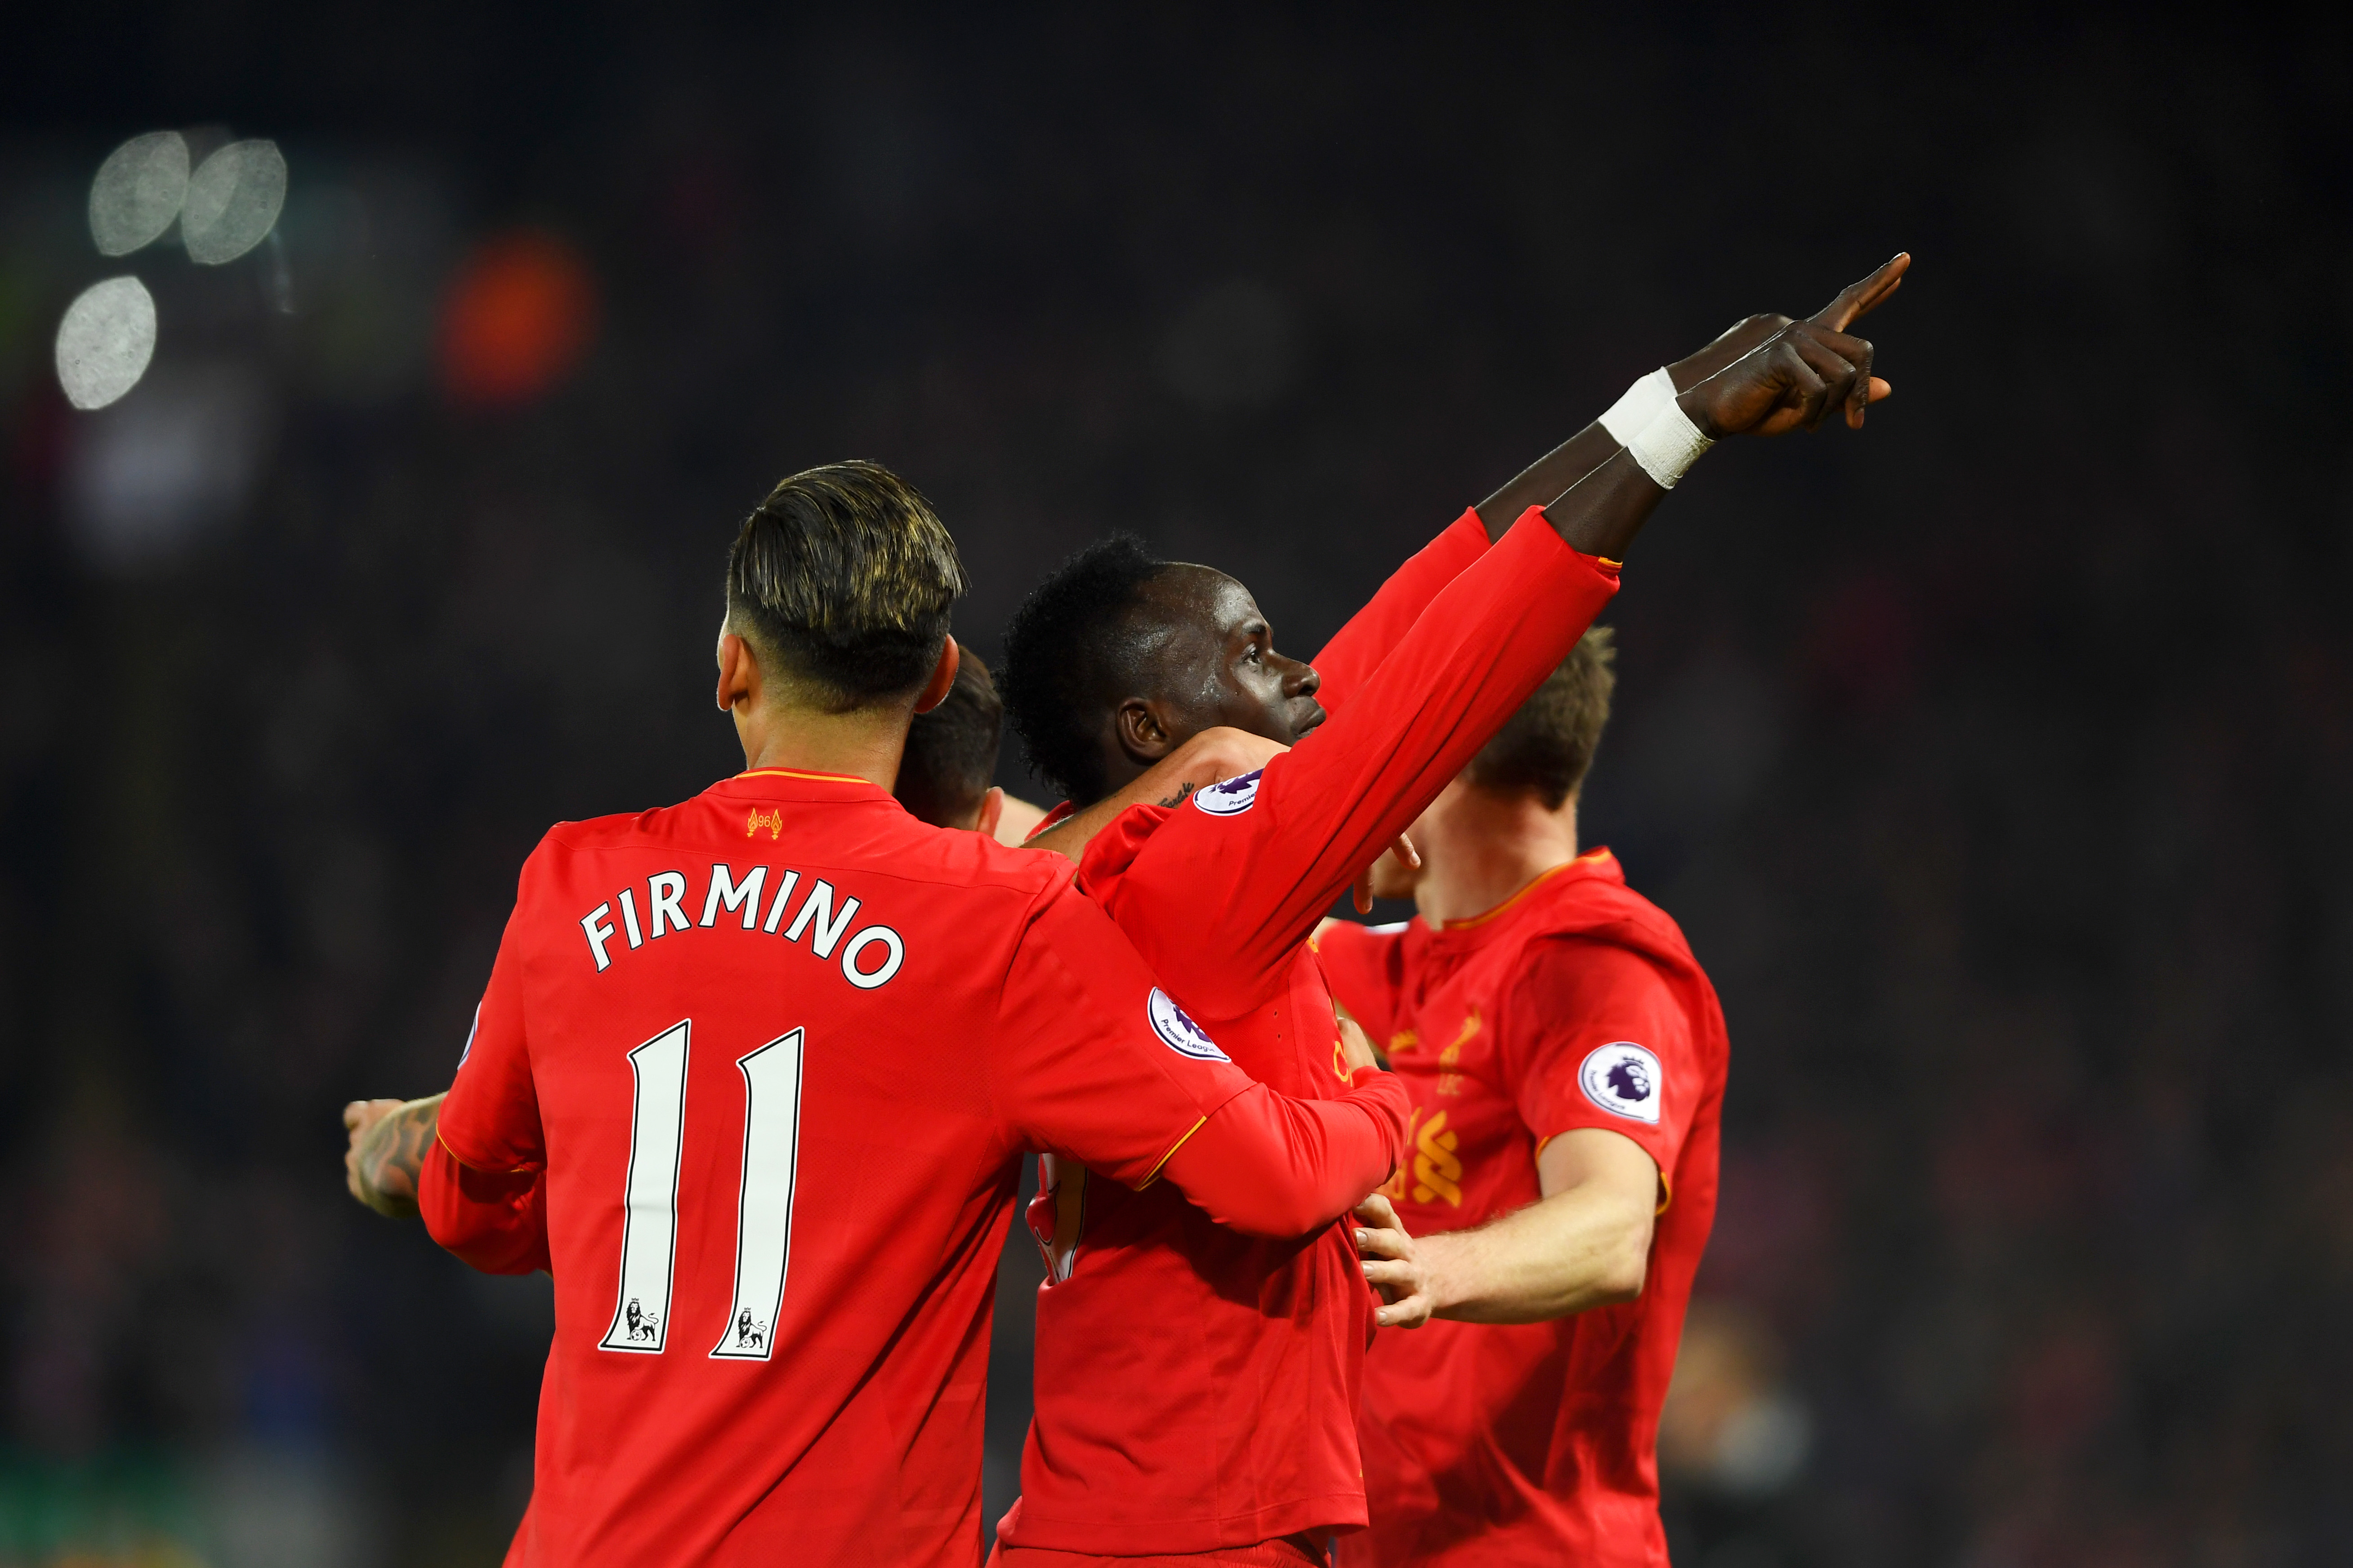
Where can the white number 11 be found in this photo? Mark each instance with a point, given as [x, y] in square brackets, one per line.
[764, 1215]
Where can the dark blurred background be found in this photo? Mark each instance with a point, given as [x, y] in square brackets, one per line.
[1996, 760]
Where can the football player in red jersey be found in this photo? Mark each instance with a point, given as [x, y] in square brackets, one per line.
[1566, 1058]
[946, 777]
[771, 1055]
[1196, 1390]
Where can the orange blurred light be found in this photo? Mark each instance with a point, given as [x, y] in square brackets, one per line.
[517, 317]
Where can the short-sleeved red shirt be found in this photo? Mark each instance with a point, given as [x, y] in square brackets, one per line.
[1576, 1004]
[777, 1050]
[1195, 1388]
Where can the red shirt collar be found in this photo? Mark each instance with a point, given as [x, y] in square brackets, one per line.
[799, 783]
[1054, 818]
[1597, 862]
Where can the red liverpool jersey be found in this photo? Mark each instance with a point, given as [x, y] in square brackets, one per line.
[1576, 1004]
[777, 1051]
[1195, 1388]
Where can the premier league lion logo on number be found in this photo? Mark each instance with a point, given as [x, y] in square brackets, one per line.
[1623, 1078]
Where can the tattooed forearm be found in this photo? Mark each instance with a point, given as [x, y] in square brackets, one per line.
[1184, 788]
[388, 1140]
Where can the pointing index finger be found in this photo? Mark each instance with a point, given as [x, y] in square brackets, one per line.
[1857, 300]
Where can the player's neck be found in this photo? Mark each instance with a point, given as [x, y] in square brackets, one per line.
[866, 744]
[1483, 847]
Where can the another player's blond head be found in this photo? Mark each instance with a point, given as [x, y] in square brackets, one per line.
[841, 581]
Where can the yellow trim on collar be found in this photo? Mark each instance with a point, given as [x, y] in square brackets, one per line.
[1539, 882]
[796, 773]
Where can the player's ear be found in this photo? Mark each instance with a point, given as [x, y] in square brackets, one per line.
[739, 671]
[1142, 733]
[936, 690]
[992, 812]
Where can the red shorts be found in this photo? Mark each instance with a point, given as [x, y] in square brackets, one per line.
[1290, 1551]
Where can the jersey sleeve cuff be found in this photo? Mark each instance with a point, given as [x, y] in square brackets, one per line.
[1160, 1164]
[1658, 1162]
[1232, 1082]
[487, 1167]
[1533, 523]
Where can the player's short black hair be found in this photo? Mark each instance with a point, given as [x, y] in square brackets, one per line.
[1069, 650]
[951, 752]
[1547, 746]
[841, 581]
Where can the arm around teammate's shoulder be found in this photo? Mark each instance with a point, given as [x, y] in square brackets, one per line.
[1270, 1165]
[1094, 1060]
[1213, 757]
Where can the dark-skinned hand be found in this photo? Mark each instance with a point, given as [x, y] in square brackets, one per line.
[1818, 343]
[1404, 850]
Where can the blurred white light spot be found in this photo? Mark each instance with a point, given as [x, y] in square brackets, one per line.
[138, 192]
[105, 342]
[1763, 1446]
[233, 199]
[149, 480]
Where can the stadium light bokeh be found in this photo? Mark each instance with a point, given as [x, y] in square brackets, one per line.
[234, 200]
[106, 341]
[228, 205]
[139, 190]
[516, 319]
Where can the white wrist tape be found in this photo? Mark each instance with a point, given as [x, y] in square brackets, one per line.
[1668, 446]
[1639, 406]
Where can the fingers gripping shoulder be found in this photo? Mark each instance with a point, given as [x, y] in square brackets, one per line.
[1090, 1056]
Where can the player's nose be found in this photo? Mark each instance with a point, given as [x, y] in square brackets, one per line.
[1300, 679]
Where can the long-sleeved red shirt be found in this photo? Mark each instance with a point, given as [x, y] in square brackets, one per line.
[1197, 1388]
[777, 1051]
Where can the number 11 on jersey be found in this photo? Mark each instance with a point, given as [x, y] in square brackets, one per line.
[763, 1218]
